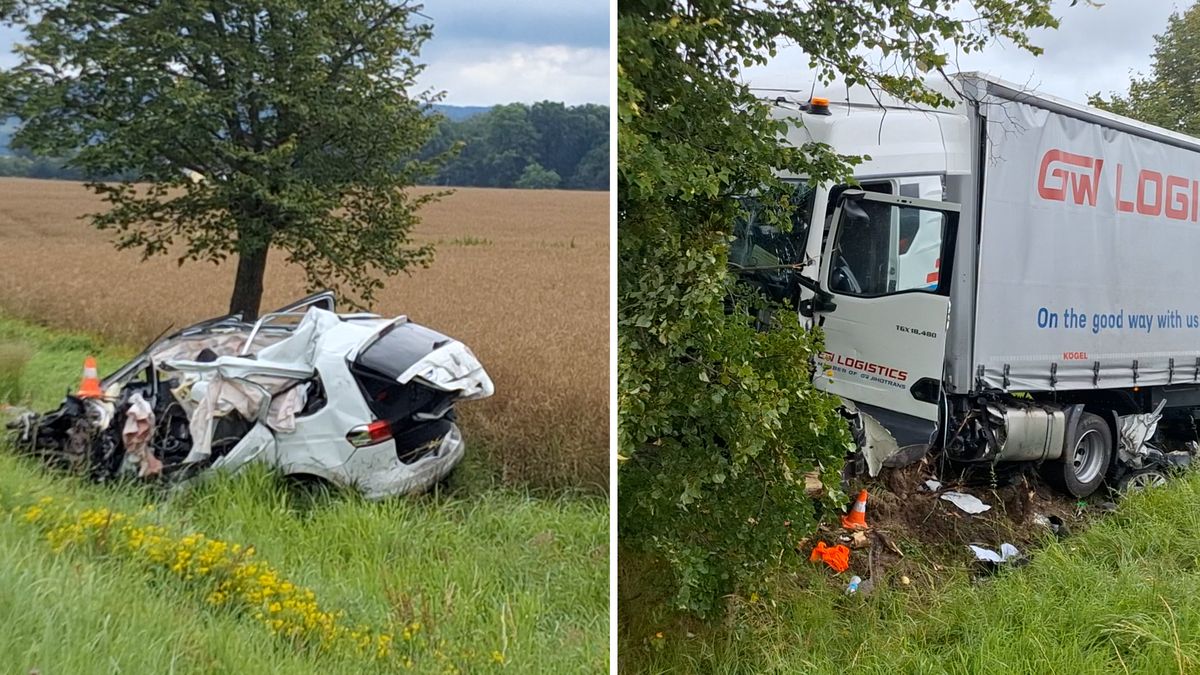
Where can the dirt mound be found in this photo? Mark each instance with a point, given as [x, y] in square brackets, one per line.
[915, 533]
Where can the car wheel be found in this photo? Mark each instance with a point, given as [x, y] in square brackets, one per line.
[1082, 467]
[1136, 481]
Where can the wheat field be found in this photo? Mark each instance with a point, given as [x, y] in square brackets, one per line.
[521, 276]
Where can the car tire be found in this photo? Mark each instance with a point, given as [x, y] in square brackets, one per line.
[1084, 464]
[1140, 479]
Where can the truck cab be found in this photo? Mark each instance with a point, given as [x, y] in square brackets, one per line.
[880, 251]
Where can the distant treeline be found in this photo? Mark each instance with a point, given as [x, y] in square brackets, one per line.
[541, 146]
[36, 167]
[544, 145]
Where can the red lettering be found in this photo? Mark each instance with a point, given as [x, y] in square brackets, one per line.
[1177, 198]
[1064, 175]
[1144, 207]
[1052, 184]
[1123, 206]
[1083, 188]
[865, 366]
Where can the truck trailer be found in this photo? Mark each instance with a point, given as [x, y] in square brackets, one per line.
[1012, 278]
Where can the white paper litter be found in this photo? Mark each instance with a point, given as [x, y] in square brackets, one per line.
[968, 503]
[933, 485]
[1007, 552]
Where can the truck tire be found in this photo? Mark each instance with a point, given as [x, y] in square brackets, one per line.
[1085, 462]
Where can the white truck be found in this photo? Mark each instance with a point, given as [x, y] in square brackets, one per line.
[1014, 278]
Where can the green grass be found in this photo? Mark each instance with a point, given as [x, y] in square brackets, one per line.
[1122, 597]
[14, 356]
[496, 569]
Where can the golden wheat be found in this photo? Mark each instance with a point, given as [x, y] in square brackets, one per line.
[520, 276]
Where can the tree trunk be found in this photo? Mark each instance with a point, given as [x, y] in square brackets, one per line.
[248, 285]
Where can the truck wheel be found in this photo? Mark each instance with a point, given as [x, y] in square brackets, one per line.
[1082, 467]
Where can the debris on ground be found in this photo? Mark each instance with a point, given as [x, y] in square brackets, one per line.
[968, 503]
[852, 587]
[358, 400]
[949, 516]
[935, 533]
[14, 413]
[1052, 523]
[1007, 552]
[837, 557]
[990, 562]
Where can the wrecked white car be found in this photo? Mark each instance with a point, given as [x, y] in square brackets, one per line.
[357, 400]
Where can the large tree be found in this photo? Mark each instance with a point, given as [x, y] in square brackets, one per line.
[718, 421]
[1170, 96]
[236, 127]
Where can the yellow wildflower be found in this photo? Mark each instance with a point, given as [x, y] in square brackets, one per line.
[228, 575]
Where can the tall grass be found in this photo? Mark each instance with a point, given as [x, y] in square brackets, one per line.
[14, 356]
[496, 570]
[537, 317]
[1122, 597]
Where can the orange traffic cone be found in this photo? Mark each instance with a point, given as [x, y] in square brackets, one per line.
[857, 518]
[90, 386]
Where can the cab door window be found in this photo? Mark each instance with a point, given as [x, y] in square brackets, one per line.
[883, 248]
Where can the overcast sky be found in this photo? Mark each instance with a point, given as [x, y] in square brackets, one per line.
[518, 50]
[483, 53]
[1095, 49]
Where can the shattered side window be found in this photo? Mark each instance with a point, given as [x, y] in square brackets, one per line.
[762, 250]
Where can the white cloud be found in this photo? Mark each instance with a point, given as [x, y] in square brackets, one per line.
[1094, 49]
[515, 72]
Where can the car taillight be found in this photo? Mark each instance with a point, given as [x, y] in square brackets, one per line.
[370, 434]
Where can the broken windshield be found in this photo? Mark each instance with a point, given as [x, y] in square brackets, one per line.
[763, 250]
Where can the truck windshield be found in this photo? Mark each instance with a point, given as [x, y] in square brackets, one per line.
[759, 244]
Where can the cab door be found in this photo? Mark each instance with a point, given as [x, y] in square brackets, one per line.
[885, 303]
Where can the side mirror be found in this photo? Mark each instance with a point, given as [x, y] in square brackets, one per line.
[821, 303]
